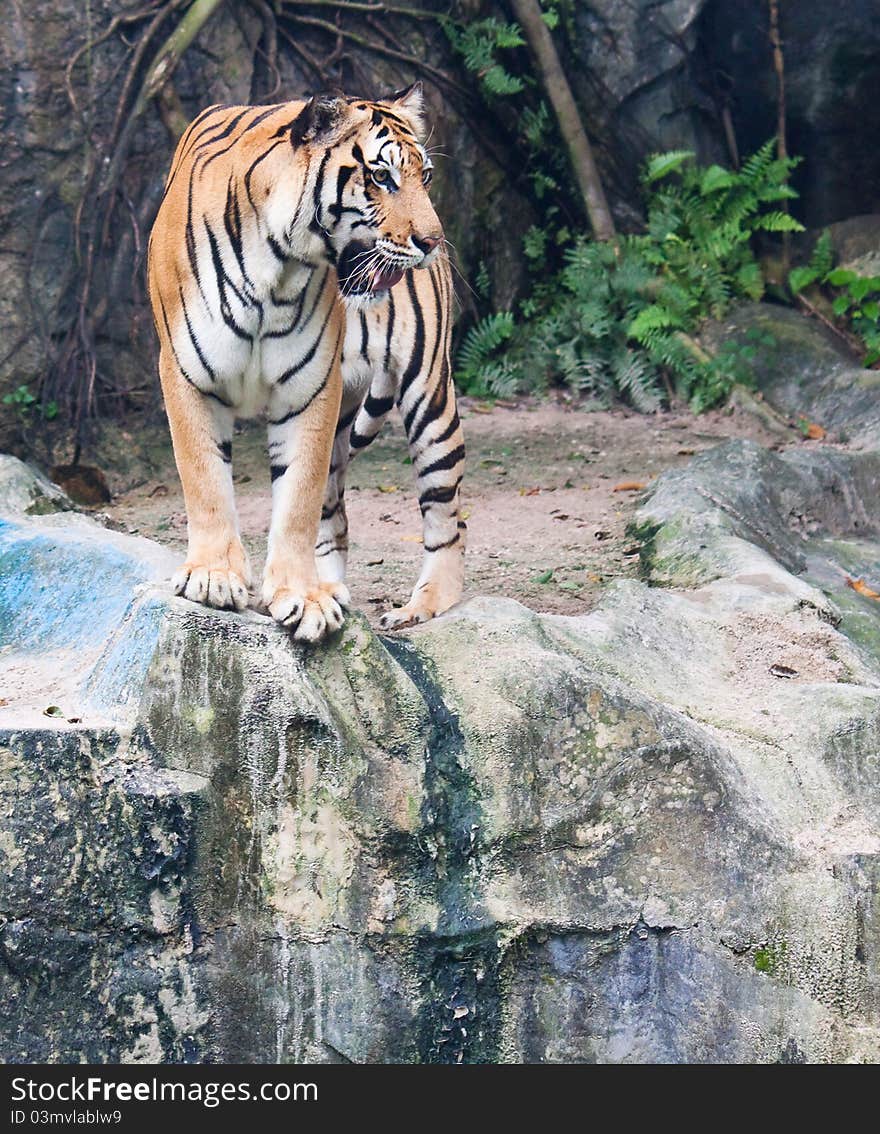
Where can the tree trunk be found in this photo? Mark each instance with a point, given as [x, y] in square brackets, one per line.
[529, 15]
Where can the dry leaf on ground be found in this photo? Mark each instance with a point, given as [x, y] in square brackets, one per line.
[862, 588]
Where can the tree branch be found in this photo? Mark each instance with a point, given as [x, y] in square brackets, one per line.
[558, 91]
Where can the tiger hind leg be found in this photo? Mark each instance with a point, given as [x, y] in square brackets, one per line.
[436, 446]
[331, 550]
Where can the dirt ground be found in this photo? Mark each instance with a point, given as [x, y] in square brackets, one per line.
[548, 492]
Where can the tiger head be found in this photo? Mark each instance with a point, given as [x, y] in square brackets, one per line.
[372, 209]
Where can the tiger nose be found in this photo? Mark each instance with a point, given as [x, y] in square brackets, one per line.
[426, 244]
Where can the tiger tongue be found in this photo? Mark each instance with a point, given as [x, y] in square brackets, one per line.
[384, 281]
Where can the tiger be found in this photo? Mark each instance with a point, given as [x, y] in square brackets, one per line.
[297, 267]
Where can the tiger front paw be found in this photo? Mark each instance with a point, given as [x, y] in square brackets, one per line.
[219, 587]
[312, 611]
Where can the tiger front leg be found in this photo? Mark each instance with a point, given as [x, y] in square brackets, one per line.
[436, 445]
[300, 443]
[216, 572]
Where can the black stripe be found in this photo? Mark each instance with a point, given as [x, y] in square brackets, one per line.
[250, 170]
[190, 140]
[432, 413]
[317, 298]
[222, 280]
[446, 543]
[207, 130]
[403, 127]
[225, 448]
[346, 420]
[171, 341]
[389, 329]
[225, 132]
[190, 238]
[439, 495]
[360, 440]
[295, 413]
[448, 431]
[278, 252]
[418, 354]
[297, 126]
[438, 319]
[232, 225]
[378, 407]
[300, 299]
[299, 203]
[412, 412]
[192, 382]
[365, 338]
[329, 513]
[447, 461]
[183, 147]
[193, 339]
[260, 117]
[315, 224]
[277, 470]
[343, 176]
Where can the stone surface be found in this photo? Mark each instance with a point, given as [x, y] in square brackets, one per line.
[805, 371]
[856, 244]
[650, 833]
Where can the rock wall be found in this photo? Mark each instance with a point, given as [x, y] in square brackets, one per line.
[832, 72]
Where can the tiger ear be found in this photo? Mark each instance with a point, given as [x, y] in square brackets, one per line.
[409, 104]
[319, 118]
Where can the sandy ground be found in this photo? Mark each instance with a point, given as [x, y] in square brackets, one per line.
[542, 496]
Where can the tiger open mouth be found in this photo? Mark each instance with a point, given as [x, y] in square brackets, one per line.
[364, 271]
[385, 279]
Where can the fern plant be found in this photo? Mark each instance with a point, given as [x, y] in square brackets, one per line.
[481, 370]
[619, 320]
[478, 43]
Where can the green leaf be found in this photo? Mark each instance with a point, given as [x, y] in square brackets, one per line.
[544, 577]
[822, 259]
[860, 287]
[841, 304]
[715, 178]
[799, 278]
[778, 222]
[841, 277]
[661, 165]
[871, 310]
[535, 243]
[500, 82]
